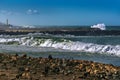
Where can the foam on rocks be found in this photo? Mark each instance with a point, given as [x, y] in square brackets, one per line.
[100, 26]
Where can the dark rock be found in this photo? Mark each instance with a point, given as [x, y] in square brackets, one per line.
[34, 72]
[46, 70]
[21, 69]
[3, 75]
[27, 69]
[86, 74]
[26, 75]
[16, 55]
[18, 76]
[50, 57]
[56, 70]
[13, 79]
[24, 56]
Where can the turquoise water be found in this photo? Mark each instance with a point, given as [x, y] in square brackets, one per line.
[104, 40]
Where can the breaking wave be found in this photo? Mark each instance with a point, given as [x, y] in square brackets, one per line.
[99, 26]
[63, 44]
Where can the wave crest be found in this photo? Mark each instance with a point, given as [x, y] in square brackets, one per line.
[65, 44]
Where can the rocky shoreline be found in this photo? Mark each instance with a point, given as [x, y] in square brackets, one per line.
[76, 32]
[15, 67]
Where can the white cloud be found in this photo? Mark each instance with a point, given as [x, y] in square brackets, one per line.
[35, 11]
[5, 12]
[30, 11]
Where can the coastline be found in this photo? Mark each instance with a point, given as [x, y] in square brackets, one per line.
[15, 67]
[77, 31]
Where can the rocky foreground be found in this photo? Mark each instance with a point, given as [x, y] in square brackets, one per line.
[15, 67]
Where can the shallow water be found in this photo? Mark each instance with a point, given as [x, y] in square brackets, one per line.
[59, 53]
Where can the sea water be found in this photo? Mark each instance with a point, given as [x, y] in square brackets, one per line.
[105, 49]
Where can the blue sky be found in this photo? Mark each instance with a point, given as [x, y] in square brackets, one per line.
[60, 12]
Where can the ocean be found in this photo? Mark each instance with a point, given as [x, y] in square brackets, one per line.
[105, 49]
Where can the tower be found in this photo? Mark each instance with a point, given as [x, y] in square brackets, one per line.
[7, 22]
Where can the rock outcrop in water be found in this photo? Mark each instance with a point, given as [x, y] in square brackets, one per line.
[14, 67]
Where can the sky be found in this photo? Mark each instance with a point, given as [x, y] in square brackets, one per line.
[60, 12]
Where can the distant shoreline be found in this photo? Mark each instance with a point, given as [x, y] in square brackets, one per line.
[60, 31]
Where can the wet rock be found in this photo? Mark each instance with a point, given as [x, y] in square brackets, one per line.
[50, 57]
[2, 74]
[14, 57]
[27, 69]
[24, 56]
[80, 76]
[13, 79]
[56, 70]
[18, 76]
[86, 74]
[26, 75]
[34, 72]
[46, 70]
[73, 78]
[21, 69]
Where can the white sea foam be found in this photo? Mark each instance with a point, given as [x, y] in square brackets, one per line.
[100, 26]
[65, 45]
[4, 40]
